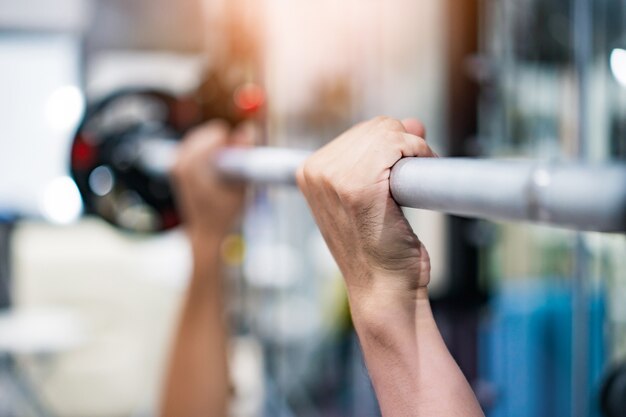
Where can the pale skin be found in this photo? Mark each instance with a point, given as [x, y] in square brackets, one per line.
[386, 269]
[197, 382]
[385, 266]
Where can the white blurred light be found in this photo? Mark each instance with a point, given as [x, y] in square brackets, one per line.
[61, 202]
[618, 65]
[64, 108]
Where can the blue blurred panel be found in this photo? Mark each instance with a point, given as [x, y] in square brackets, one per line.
[526, 348]
[6, 217]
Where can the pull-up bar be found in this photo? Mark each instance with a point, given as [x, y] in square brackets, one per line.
[580, 197]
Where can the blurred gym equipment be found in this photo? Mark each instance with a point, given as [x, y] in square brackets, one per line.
[613, 394]
[108, 151]
[5, 236]
[127, 143]
[533, 315]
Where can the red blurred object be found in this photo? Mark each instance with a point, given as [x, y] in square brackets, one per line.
[249, 97]
[169, 219]
[83, 154]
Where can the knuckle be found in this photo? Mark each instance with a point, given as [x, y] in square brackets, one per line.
[184, 160]
[346, 193]
[212, 133]
[326, 179]
[219, 124]
[309, 172]
[390, 142]
[179, 160]
[379, 120]
[300, 178]
[319, 174]
[394, 139]
[194, 134]
[178, 170]
[389, 123]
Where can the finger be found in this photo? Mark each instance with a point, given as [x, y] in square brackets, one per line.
[401, 145]
[200, 145]
[206, 140]
[214, 132]
[414, 146]
[245, 135]
[415, 127]
[301, 179]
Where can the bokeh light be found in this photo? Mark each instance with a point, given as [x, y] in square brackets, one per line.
[61, 202]
[64, 108]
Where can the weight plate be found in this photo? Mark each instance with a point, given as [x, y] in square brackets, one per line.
[105, 152]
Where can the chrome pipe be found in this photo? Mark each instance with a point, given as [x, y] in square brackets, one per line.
[572, 196]
[579, 197]
[260, 165]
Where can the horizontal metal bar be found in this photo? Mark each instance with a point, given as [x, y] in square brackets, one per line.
[580, 197]
[262, 165]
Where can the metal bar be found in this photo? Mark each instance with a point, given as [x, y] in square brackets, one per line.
[579, 197]
[257, 165]
[262, 165]
[582, 36]
[6, 229]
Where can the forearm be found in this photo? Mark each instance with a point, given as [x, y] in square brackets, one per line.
[197, 382]
[412, 370]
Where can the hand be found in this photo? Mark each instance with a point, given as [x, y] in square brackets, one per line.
[346, 184]
[386, 269]
[209, 206]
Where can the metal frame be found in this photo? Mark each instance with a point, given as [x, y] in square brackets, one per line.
[6, 228]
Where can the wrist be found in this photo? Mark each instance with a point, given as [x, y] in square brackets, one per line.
[206, 237]
[371, 290]
[385, 314]
[207, 260]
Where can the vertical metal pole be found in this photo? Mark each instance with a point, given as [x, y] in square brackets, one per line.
[582, 35]
[580, 331]
[5, 255]
[459, 307]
